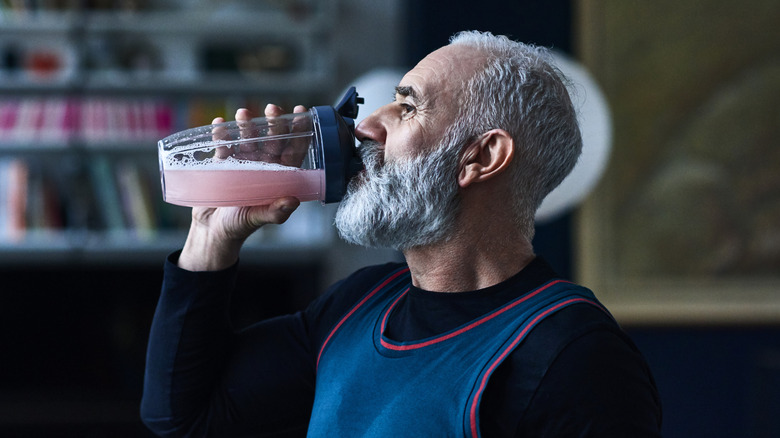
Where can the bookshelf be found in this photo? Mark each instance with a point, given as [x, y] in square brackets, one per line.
[87, 90]
[78, 294]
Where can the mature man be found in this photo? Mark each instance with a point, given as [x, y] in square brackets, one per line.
[474, 335]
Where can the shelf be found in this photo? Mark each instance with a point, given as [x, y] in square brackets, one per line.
[139, 146]
[13, 85]
[267, 84]
[95, 248]
[304, 238]
[18, 148]
[173, 43]
[75, 81]
[35, 23]
[205, 83]
[236, 21]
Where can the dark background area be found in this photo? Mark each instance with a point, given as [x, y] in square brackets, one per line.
[74, 341]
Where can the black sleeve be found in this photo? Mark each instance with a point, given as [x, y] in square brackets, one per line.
[577, 375]
[599, 387]
[202, 379]
[597, 384]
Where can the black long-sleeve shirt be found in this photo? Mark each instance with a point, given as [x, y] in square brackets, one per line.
[576, 375]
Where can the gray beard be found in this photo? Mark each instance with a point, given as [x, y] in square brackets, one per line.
[401, 204]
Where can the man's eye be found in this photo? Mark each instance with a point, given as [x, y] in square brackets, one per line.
[407, 109]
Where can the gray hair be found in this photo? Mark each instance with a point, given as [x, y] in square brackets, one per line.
[521, 91]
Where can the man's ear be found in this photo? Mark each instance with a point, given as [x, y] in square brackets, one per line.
[486, 157]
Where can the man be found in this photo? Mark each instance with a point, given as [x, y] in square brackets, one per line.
[474, 335]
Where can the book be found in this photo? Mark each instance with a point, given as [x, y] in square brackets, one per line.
[13, 199]
[107, 195]
[136, 199]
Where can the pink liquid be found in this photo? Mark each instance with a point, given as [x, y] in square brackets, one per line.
[219, 188]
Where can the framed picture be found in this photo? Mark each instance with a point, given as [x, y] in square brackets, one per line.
[684, 227]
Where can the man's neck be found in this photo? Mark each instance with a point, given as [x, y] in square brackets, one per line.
[462, 264]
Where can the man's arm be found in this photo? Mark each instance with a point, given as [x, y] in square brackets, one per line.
[576, 375]
[202, 379]
[198, 371]
[598, 386]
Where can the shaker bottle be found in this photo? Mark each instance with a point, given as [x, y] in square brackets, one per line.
[309, 155]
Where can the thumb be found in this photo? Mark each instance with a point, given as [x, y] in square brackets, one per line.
[275, 213]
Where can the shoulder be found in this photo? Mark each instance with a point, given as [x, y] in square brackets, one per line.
[578, 371]
[349, 290]
[370, 275]
[587, 374]
[581, 340]
[338, 299]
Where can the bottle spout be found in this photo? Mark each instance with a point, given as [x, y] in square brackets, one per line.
[348, 106]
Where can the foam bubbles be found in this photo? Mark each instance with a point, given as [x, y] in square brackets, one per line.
[204, 158]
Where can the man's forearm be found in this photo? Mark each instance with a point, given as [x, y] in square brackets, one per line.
[187, 345]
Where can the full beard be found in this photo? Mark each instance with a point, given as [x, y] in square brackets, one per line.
[401, 204]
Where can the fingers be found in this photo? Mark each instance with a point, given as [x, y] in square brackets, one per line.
[247, 130]
[243, 115]
[272, 110]
[289, 152]
[220, 133]
[298, 147]
[272, 149]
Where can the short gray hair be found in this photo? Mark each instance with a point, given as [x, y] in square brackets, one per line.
[521, 91]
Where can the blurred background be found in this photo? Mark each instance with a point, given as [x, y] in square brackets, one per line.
[680, 236]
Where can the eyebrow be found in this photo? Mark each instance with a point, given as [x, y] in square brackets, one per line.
[405, 91]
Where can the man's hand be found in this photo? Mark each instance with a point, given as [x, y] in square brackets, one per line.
[217, 234]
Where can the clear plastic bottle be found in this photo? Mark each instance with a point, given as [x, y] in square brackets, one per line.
[309, 155]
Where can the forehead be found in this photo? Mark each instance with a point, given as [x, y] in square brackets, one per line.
[441, 74]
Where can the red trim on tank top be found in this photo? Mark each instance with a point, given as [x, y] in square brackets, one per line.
[413, 346]
[357, 306]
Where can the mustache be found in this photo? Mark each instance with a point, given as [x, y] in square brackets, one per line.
[371, 154]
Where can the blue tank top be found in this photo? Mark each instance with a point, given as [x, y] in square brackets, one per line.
[371, 386]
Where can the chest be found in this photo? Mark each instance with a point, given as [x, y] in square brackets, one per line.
[371, 385]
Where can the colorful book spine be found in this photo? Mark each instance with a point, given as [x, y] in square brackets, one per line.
[13, 199]
[93, 122]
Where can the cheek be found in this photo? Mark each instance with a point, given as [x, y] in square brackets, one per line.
[409, 141]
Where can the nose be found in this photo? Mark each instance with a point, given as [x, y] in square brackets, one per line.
[372, 127]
